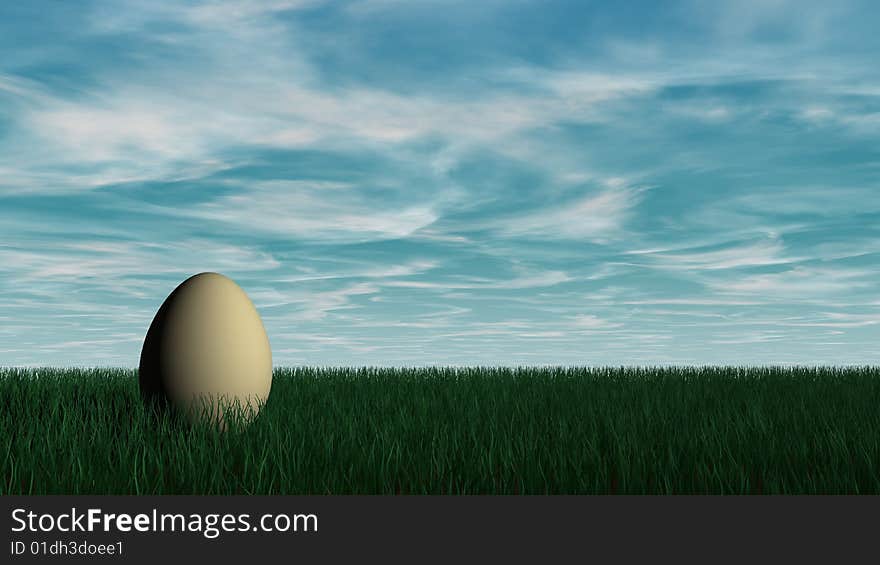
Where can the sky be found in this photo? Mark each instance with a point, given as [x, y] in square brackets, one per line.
[426, 182]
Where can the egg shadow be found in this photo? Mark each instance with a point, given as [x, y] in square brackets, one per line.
[151, 381]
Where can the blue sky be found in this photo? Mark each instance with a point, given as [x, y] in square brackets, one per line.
[445, 182]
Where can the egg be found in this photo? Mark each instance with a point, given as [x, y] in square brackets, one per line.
[207, 351]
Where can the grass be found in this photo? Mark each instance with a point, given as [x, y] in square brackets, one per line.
[463, 431]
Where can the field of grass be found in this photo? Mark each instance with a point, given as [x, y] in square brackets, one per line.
[473, 430]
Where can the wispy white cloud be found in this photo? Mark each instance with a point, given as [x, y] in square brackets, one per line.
[311, 305]
[799, 282]
[114, 270]
[21, 89]
[738, 21]
[693, 302]
[751, 337]
[521, 281]
[872, 318]
[365, 272]
[826, 201]
[232, 12]
[769, 251]
[308, 212]
[599, 216]
[592, 322]
[132, 127]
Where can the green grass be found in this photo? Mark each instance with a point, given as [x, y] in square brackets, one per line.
[474, 430]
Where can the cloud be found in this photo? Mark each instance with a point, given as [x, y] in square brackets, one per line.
[769, 251]
[693, 302]
[591, 322]
[146, 132]
[101, 134]
[231, 16]
[522, 281]
[846, 319]
[311, 305]
[124, 267]
[365, 272]
[598, 216]
[232, 12]
[823, 201]
[20, 89]
[313, 212]
[799, 283]
[744, 20]
[258, 91]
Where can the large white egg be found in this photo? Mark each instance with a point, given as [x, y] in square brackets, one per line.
[207, 349]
